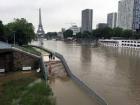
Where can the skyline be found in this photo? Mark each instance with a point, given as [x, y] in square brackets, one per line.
[56, 14]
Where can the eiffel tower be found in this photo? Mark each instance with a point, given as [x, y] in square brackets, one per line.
[40, 31]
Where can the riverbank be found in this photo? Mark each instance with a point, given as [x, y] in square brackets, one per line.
[85, 95]
[71, 79]
[21, 79]
[24, 88]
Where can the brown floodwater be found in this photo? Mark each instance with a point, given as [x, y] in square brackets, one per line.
[69, 93]
[66, 91]
[113, 73]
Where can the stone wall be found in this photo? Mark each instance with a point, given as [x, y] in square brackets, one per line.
[24, 60]
[14, 60]
[6, 61]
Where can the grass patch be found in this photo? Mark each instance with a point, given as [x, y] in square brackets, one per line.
[13, 89]
[38, 94]
[29, 49]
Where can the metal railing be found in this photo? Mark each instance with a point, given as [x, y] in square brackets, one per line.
[43, 68]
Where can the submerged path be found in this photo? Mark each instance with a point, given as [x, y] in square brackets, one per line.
[66, 91]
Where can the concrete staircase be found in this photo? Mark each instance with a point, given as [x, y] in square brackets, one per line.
[57, 69]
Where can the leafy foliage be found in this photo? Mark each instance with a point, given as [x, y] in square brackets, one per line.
[51, 35]
[68, 33]
[117, 32]
[2, 37]
[24, 31]
[20, 28]
[108, 33]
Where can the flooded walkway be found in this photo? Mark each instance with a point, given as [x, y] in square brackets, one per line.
[66, 91]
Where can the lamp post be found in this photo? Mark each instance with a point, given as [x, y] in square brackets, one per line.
[14, 38]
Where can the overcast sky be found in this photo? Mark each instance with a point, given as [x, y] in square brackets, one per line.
[56, 13]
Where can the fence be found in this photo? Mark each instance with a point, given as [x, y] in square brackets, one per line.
[74, 78]
[43, 69]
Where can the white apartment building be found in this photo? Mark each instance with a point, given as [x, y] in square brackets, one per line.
[75, 29]
[129, 14]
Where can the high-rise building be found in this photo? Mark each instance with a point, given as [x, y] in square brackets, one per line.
[129, 14]
[112, 20]
[87, 16]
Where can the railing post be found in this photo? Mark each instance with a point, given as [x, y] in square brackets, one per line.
[44, 69]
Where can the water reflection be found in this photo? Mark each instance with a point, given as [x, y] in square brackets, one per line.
[114, 73]
[86, 54]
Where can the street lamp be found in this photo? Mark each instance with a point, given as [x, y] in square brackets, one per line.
[14, 38]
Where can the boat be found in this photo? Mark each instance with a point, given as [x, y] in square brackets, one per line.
[120, 43]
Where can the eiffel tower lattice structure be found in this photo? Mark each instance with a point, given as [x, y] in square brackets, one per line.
[40, 31]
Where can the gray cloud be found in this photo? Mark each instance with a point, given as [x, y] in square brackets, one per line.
[55, 13]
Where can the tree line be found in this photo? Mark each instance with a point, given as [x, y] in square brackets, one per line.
[104, 33]
[20, 31]
[51, 35]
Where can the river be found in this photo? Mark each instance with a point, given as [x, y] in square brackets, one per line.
[113, 73]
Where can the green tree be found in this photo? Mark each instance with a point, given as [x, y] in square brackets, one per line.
[127, 34]
[51, 35]
[117, 32]
[79, 35]
[106, 32]
[136, 35]
[24, 31]
[68, 33]
[2, 37]
[86, 35]
[97, 33]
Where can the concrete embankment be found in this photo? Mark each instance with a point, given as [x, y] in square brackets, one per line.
[82, 85]
[13, 58]
[65, 90]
